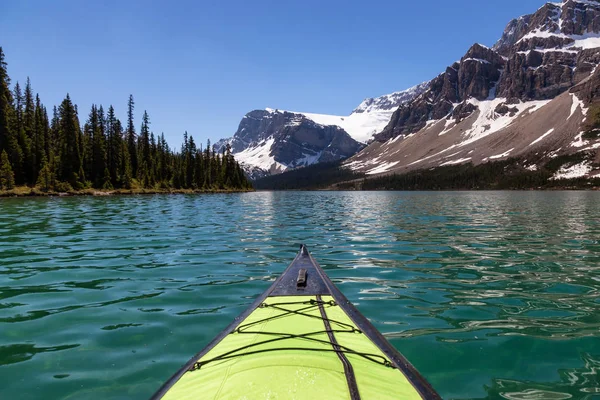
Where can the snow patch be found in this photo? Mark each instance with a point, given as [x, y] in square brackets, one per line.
[579, 142]
[506, 154]
[531, 167]
[541, 137]
[587, 43]
[382, 168]
[574, 171]
[589, 40]
[450, 123]
[489, 122]
[368, 119]
[433, 155]
[577, 103]
[307, 159]
[354, 165]
[588, 2]
[551, 50]
[454, 162]
[536, 33]
[392, 100]
[259, 156]
[479, 60]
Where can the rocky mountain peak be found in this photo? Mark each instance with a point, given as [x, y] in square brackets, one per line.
[479, 51]
[530, 93]
[538, 57]
[390, 101]
[570, 23]
[515, 30]
[269, 141]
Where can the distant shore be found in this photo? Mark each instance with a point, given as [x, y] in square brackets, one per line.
[25, 191]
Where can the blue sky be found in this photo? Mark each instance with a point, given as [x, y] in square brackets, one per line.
[201, 65]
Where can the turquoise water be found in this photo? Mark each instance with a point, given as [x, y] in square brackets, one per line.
[491, 295]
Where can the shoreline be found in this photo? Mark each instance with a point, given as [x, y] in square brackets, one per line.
[33, 192]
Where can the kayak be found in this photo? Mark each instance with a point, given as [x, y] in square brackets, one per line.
[301, 339]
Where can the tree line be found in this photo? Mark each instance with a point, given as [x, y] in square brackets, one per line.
[58, 154]
[313, 177]
[506, 174]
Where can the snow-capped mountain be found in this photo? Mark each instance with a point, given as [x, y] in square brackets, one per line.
[270, 141]
[390, 102]
[527, 97]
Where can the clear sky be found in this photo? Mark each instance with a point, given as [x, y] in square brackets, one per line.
[201, 65]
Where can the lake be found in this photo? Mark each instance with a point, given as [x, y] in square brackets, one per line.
[491, 295]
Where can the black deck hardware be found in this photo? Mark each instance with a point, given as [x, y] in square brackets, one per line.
[348, 370]
[301, 281]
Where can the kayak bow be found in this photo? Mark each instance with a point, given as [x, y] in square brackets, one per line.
[301, 339]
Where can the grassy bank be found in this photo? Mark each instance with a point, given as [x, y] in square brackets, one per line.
[26, 191]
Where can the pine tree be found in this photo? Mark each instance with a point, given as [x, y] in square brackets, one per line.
[8, 135]
[131, 137]
[127, 176]
[144, 170]
[19, 158]
[214, 168]
[99, 150]
[178, 177]
[166, 167]
[114, 145]
[54, 153]
[47, 176]
[71, 168]
[199, 170]
[7, 177]
[48, 145]
[107, 184]
[207, 167]
[39, 137]
[228, 167]
[5, 103]
[18, 98]
[54, 131]
[190, 163]
[153, 160]
[238, 176]
[88, 143]
[30, 135]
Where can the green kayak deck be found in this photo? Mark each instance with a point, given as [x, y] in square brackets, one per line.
[302, 339]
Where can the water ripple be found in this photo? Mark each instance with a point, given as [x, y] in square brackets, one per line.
[109, 296]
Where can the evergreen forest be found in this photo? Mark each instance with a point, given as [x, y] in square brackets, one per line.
[52, 151]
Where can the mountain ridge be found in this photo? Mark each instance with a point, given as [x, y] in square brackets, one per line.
[494, 103]
[503, 101]
[259, 143]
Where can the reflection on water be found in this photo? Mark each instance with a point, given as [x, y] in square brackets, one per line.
[576, 384]
[492, 295]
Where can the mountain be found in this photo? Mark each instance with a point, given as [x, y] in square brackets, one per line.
[271, 141]
[532, 96]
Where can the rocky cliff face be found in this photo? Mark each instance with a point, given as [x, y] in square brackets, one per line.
[475, 76]
[497, 102]
[538, 57]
